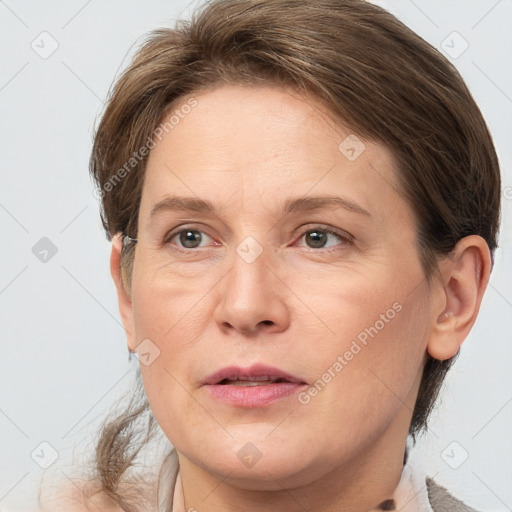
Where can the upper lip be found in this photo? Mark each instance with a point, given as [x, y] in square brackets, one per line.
[254, 372]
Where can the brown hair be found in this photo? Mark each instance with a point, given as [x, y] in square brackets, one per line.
[370, 71]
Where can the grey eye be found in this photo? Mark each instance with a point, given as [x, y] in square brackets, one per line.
[317, 238]
[190, 238]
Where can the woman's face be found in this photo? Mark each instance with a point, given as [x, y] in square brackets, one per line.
[306, 263]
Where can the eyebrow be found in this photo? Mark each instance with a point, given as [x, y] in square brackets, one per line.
[300, 204]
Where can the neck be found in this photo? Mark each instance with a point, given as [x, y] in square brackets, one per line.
[365, 483]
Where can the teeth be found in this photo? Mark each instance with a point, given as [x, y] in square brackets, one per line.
[248, 383]
[260, 378]
[252, 381]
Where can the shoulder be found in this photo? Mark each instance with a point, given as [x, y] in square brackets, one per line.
[442, 501]
[91, 508]
[78, 496]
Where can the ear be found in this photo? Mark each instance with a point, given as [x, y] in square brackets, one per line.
[123, 295]
[465, 274]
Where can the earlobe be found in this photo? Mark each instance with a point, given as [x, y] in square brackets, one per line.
[123, 295]
[465, 274]
[444, 342]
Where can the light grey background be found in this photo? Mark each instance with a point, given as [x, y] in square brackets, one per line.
[63, 355]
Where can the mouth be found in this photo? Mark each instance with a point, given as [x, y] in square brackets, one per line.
[257, 386]
[253, 381]
[255, 375]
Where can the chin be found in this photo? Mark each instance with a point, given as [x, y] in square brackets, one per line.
[267, 468]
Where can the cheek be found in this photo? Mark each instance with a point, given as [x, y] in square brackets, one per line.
[367, 340]
[373, 307]
[170, 400]
[168, 307]
[171, 314]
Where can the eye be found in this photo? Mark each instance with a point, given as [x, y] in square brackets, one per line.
[188, 238]
[318, 237]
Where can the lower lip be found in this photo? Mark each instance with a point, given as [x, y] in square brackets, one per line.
[252, 396]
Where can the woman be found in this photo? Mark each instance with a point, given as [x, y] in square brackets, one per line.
[303, 203]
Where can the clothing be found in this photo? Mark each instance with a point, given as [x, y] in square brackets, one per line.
[415, 491]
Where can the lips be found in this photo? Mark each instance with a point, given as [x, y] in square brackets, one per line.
[259, 386]
[255, 375]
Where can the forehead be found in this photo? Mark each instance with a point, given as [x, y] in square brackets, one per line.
[258, 145]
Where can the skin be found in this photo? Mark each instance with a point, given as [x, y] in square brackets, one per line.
[297, 306]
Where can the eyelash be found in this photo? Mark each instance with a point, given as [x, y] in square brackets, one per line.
[345, 238]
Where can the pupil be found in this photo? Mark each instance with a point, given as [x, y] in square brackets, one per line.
[318, 238]
[189, 238]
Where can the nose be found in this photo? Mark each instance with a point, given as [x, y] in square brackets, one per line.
[253, 299]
